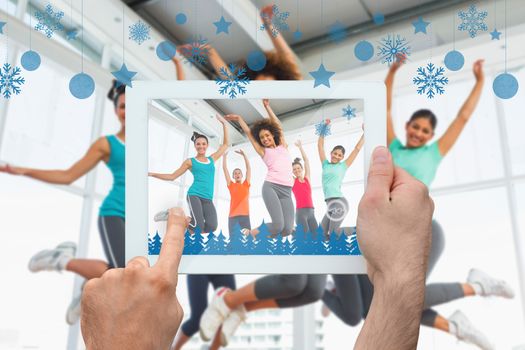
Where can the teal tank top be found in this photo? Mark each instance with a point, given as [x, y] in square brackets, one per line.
[203, 179]
[114, 203]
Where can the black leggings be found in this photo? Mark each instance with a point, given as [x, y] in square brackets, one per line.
[198, 295]
[203, 214]
[112, 231]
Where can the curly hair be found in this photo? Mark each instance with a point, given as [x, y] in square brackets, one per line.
[116, 90]
[276, 67]
[266, 124]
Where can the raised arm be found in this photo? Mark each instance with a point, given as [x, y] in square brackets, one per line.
[213, 56]
[247, 164]
[279, 43]
[450, 137]
[225, 139]
[299, 144]
[320, 146]
[274, 119]
[237, 118]
[355, 152]
[389, 82]
[97, 152]
[225, 169]
[186, 165]
[178, 67]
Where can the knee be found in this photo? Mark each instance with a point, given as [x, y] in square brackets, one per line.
[313, 292]
[190, 327]
[293, 284]
[352, 320]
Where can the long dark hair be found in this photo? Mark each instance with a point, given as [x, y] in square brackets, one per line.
[197, 136]
[116, 90]
[427, 114]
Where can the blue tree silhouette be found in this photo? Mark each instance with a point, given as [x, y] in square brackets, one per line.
[332, 243]
[300, 240]
[150, 244]
[320, 242]
[155, 244]
[353, 245]
[222, 243]
[279, 245]
[199, 244]
[212, 245]
[237, 244]
[189, 243]
[289, 245]
[342, 244]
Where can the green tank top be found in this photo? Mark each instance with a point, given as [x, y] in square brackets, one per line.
[114, 203]
[203, 179]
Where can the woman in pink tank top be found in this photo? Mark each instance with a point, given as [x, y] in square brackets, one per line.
[267, 138]
[302, 190]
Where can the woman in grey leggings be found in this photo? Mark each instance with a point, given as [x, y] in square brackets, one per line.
[352, 296]
[302, 190]
[333, 174]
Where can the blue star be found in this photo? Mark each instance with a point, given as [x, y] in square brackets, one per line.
[223, 26]
[420, 26]
[72, 35]
[297, 35]
[2, 24]
[322, 76]
[495, 34]
[124, 76]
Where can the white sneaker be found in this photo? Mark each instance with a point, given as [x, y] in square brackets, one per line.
[73, 310]
[468, 333]
[490, 285]
[49, 259]
[231, 323]
[214, 315]
[161, 216]
[330, 285]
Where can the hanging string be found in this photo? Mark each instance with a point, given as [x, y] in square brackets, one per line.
[505, 36]
[297, 12]
[82, 29]
[454, 32]
[123, 31]
[7, 33]
[322, 28]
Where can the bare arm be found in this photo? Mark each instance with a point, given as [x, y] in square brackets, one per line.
[355, 152]
[247, 164]
[305, 158]
[274, 119]
[186, 165]
[237, 118]
[225, 169]
[225, 139]
[450, 137]
[389, 82]
[178, 67]
[320, 148]
[97, 152]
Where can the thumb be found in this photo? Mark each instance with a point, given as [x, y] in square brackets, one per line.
[380, 175]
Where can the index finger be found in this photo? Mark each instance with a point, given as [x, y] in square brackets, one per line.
[173, 243]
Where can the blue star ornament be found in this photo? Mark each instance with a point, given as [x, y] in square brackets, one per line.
[297, 35]
[322, 76]
[495, 34]
[420, 26]
[2, 24]
[223, 26]
[124, 76]
[72, 35]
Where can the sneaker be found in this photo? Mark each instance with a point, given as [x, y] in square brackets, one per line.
[161, 216]
[489, 285]
[330, 285]
[467, 333]
[49, 259]
[214, 315]
[73, 310]
[231, 323]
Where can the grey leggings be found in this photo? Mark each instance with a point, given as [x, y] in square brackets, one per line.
[278, 201]
[336, 211]
[353, 294]
[112, 231]
[305, 217]
[290, 290]
[203, 214]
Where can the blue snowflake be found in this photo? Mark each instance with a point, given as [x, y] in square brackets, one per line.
[232, 80]
[276, 22]
[139, 32]
[337, 32]
[49, 20]
[473, 21]
[430, 80]
[323, 129]
[10, 80]
[349, 112]
[392, 46]
[195, 50]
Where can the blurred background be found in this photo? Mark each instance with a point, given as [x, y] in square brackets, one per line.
[479, 190]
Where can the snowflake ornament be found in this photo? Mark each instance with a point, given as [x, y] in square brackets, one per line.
[195, 50]
[139, 32]
[276, 22]
[323, 129]
[473, 21]
[232, 80]
[430, 80]
[49, 20]
[349, 112]
[10, 80]
[392, 46]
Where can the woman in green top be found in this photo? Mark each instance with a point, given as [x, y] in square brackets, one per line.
[332, 176]
[416, 156]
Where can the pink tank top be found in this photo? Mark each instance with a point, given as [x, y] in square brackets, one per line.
[279, 163]
[303, 194]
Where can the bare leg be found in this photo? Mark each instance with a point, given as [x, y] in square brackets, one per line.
[216, 343]
[236, 298]
[468, 290]
[87, 268]
[261, 304]
[181, 340]
[441, 323]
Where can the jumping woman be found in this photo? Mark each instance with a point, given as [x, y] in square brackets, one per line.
[302, 190]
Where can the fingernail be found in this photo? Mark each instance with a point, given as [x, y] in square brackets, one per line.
[380, 155]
